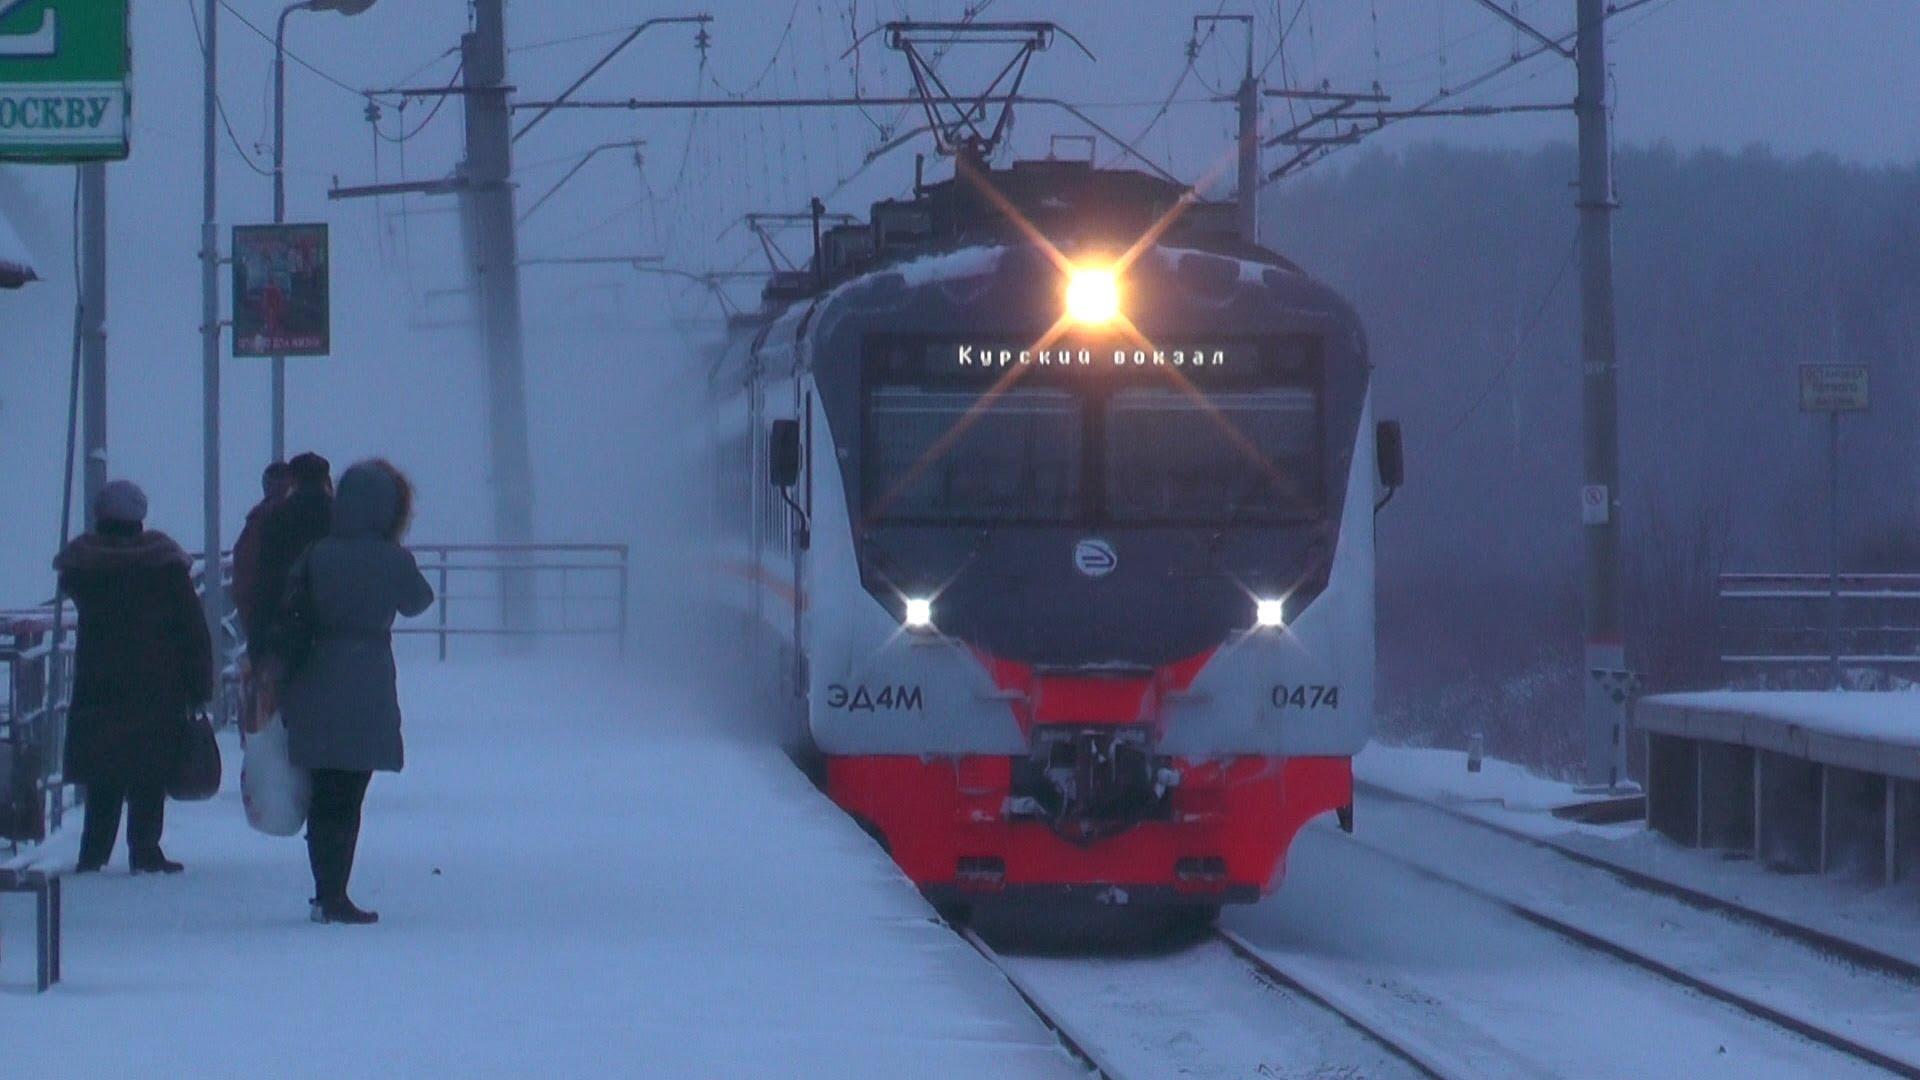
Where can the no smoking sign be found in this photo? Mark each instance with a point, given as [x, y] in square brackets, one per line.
[1595, 506]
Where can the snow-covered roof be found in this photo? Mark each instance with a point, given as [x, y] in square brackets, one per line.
[1870, 731]
[16, 269]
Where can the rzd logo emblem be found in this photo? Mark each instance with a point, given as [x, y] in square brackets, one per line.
[1094, 558]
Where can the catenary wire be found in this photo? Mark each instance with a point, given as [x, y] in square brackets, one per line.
[1526, 335]
[220, 106]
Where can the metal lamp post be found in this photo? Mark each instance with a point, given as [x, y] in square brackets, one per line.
[344, 7]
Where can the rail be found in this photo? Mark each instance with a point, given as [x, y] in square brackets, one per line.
[571, 590]
[1793, 630]
[37, 662]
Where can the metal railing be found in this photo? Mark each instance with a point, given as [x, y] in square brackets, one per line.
[1794, 629]
[571, 590]
[37, 663]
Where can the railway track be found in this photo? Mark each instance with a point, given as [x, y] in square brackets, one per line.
[1428, 1060]
[1215, 1007]
[1797, 1021]
[1241, 1009]
[1853, 952]
[1074, 1042]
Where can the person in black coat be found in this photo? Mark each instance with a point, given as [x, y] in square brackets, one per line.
[294, 523]
[143, 661]
[275, 483]
[341, 706]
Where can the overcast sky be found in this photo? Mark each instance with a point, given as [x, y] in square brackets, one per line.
[1803, 76]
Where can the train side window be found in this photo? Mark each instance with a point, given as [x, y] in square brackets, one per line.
[1391, 453]
[783, 453]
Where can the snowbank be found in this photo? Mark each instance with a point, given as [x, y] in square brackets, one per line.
[1442, 776]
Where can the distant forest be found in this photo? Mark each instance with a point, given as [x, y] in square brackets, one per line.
[1730, 270]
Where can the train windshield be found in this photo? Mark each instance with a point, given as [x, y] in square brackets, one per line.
[953, 456]
[1173, 456]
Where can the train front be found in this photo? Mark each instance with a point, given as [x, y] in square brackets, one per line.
[1091, 602]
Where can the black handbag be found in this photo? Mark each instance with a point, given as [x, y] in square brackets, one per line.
[290, 639]
[23, 813]
[196, 764]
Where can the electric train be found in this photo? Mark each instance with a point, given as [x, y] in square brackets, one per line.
[1050, 508]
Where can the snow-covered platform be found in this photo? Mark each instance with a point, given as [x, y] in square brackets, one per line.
[575, 878]
[1807, 781]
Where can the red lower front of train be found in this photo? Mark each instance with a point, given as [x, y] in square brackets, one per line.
[1220, 836]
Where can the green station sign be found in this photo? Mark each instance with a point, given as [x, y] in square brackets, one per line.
[63, 80]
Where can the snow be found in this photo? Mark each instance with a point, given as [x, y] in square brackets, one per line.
[574, 879]
[1499, 995]
[1886, 716]
[1795, 979]
[947, 266]
[1198, 1012]
[1441, 775]
[16, 267]
[1849, 907]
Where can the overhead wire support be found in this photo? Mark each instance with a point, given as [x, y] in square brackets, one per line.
[663, 20]
[1525, 27]
[590, 260]
[623, 144]
[764, 224]
[848, 103]
[1556, 44]
[1247, 138]
[1324, 95]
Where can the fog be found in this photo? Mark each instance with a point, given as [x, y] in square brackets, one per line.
[610, 358]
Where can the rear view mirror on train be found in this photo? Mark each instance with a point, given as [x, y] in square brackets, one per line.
[783, 453]
[1388, 450]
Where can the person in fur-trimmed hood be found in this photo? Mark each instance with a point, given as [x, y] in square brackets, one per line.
[342, 705]
[143, 661]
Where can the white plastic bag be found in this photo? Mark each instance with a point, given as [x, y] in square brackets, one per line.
[276, 793]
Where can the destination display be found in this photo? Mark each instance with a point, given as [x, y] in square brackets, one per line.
[961, 356]
[1096, 360]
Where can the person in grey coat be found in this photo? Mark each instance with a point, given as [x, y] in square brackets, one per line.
[341, 706]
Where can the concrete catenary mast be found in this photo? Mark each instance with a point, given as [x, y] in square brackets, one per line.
[487, 216]
[1605, 704]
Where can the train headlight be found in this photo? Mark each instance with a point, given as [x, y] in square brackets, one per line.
[1093, 296]
[1269, 613]
[919, 614]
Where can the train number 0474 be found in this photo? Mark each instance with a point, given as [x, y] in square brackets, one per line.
[1306, 696]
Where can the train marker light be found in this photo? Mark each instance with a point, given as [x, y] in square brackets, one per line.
[1093, 296]
[1269, 613]
[919, 616]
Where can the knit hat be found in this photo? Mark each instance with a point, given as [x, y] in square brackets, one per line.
[120, 500]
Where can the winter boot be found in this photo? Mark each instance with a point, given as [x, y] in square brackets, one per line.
[156, 863]
[341, 911]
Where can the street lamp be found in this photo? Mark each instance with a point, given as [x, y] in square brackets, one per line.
[344, 7]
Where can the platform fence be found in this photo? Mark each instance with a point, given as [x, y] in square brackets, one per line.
[36, 660]
[1791, 631]
[505, 592]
